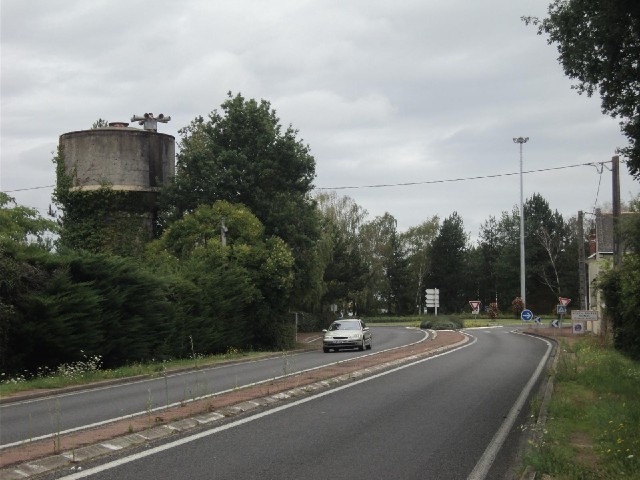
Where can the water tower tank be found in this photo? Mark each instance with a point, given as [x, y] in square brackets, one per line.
[130, 162]
[122, 158]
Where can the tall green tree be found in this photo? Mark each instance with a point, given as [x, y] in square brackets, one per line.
[551, 252]
[547, 238]
[24, 224]
[508, 263]
[345, 271]
[489, 247]
[447, 270]
[598, 42]
[387, 287]
[241, 154]
[417, 241]
[228, 294]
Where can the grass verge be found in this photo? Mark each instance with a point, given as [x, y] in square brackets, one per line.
[593, 425]
[83, 373]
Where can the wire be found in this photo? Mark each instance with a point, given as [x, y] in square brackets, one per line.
[600, 170]
[406, 184]
[428, 182]
[25, 189]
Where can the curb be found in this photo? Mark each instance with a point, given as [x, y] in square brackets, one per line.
[72, 458]
[529, 473]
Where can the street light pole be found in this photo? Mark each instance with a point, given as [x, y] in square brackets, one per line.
[522, 141]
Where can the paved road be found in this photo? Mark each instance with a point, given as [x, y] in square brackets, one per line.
[39, 418]
[446, 417]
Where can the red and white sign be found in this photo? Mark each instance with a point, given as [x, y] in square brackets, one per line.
[475, 305]
[564, 301]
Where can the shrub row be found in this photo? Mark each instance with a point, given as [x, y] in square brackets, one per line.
[60, 308]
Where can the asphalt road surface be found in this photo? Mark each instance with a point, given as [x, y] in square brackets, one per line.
[44, 417]
[452, 416]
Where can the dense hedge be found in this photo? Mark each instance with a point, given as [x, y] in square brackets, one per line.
[61, 308]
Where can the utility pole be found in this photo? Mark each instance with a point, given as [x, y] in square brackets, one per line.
[615, 174]
[582, 263]
[223, 233]
[523, 294]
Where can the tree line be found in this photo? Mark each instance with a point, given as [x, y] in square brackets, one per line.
[68, 291]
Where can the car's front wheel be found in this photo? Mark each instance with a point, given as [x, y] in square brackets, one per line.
[370, 346]
[362, 347]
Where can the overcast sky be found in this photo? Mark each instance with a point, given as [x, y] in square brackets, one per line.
[383, 92]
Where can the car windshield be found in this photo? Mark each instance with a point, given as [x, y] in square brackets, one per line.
[345, 325]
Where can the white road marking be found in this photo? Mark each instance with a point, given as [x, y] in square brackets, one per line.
[175, 404]
[484, 464]
[213, 431]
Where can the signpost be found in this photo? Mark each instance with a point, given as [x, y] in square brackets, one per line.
[526, 315]
[561, 309]
[580, 319]
[578, 327]
[475, 306]
[588, 315]
[433, 298]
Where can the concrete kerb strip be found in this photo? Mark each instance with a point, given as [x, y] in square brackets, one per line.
[529, 473]
[72, 458]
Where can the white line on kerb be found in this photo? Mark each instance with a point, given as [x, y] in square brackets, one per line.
[484, 464]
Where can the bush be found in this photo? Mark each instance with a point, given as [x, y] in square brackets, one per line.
[517, 306]
[442, 322]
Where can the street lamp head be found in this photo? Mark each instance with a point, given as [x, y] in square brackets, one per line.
[521, 140]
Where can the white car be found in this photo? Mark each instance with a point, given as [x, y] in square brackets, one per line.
[347, 333]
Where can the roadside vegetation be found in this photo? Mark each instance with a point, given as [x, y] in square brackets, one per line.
[90, 370]
[593, 425]
[233, 267]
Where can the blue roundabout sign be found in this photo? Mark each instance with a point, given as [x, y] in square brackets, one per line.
[526, 315]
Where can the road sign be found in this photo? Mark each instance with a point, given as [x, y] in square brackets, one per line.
[538, 320]
[433, 297]
[578, 327]
[564, 301]
[475, 306]
[555, 323]
[561, 309]
[526, 315]
[590, 315]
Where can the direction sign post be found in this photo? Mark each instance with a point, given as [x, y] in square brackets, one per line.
[526, 315]
[433, 298]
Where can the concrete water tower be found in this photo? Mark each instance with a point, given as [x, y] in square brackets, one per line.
[112, 178]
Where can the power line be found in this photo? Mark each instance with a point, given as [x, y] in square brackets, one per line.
[29, 188]
[404, 184]
[480, 177]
